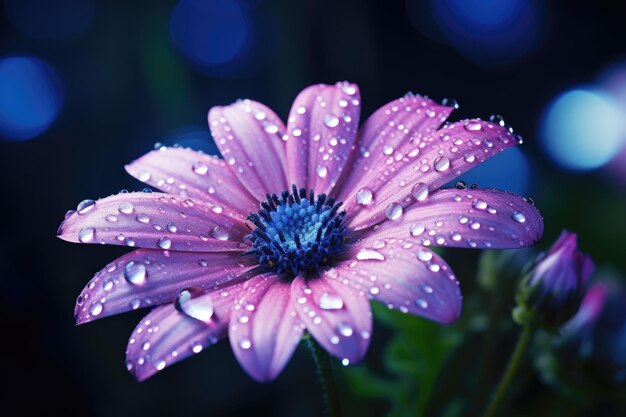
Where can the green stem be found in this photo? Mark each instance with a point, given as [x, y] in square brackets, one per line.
[327, 381]
[514, 363]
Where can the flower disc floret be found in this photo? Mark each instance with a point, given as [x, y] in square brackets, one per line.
[297, 233]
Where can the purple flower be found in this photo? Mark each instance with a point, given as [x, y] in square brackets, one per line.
[216, 263]
[553, 290]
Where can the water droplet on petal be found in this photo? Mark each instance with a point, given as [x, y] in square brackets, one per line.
[369, 254]
[125, 208]
[86, 235]
[164, 243]
[171, 227]
[84, 206]
[330, 302]
[519, 217]
[469, 158]
[416, 229]
[195, 304]
[473, 126]
[135, 272]
[271, 128]
[96, 308]
[142, 218]
[245, 344]
[200, 168]
[394, 211]
[345, 329]
[364, 196]
[422, 303]
[219, 233]
[330, 120]
[479, 204]
[420, 191]
[348, 89]
[134, 303]
[322, 171]
[160, 365]
[424, 255]
[442, 164]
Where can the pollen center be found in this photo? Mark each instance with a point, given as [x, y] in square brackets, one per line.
[297, 233]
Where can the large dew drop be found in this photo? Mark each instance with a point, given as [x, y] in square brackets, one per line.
[473, 126]
[394, 211]
[442, 164]
[330, 302]
[219, 233]
[195, 304]
[135, 273]
[364, 196]
[164, 243]
[322, 171]
[420, 191]
[330, 120]
[519, 217]
[370, 254]
[84, 206]
[86, 235]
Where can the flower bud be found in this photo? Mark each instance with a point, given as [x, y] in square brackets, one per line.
[551, 293]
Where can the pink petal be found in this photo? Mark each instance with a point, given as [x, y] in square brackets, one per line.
[146, 277]
[167, 335]
[402, 275]
[431, 161]
[156, 221]
[250, 138]
[407, 119]
[337, 316]
[322, 126]
[265, 329]
[467, 218]
[188, 173]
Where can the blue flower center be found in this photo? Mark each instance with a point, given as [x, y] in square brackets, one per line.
[297, 233]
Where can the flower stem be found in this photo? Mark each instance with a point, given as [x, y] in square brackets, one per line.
[327, 381]
[514, 363]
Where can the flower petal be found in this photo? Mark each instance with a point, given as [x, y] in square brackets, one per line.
[249, 136]
[323, 123]
[156, 221]
[265, 329]
[431, 162]
[167, 335]
[407, 119]
[488, 219]
[337, 316]
[147, 277]
[402, 275]
[188, 173]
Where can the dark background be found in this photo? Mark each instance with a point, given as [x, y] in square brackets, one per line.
[126, 86]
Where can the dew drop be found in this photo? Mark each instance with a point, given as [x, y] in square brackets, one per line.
[369, 254]
[245, 344]
[125, 208]
[134, 303]
[135, 272]
[195, 304]
[479, 204]
[442, 164]
[419, 191]
[422, 303]
[519, 217]
[142, 218]
[200, 168]
[84, 206]
[164, 243]
[469, 158]
[348, 89]
[271, 128]
[345, 329]
[322, 171]
[424, 255]
[394, 211]
[171, 227]
[364, 196]
[416, 229]
[160, 365]
[86, 235]
[330, 120]
[473, 126]
[96, 308]
[219, 233]
[330, 302]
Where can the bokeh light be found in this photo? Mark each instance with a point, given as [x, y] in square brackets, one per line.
[45, 20]
[583, 129]
[31, 97]
[613, 80]
[509, 170]
[211, 33]
[489, 33]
